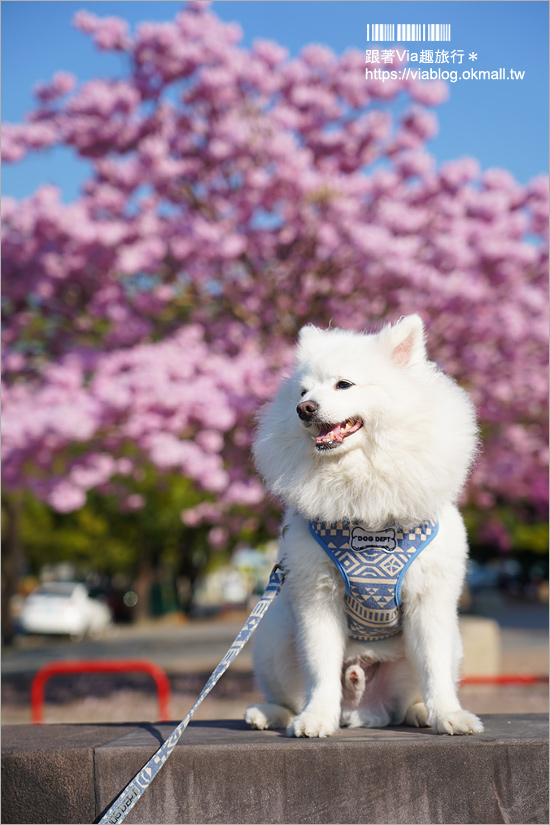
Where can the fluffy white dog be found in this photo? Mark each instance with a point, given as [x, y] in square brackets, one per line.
[369, 442]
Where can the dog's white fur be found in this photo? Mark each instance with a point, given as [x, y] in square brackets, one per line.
[406, 464]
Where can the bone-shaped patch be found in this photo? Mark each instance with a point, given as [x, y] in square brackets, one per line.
[367, 540]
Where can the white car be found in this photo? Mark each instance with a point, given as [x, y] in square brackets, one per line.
[65, 608]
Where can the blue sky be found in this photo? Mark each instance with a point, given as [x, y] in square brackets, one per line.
[503, 123]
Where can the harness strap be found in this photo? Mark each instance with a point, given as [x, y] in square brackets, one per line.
[141, 781]
[372, 565]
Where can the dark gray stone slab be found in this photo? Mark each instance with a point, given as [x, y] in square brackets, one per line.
[48, 771]
[222, 772]
[225, 773]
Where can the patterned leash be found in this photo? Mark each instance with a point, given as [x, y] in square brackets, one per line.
[141, 781]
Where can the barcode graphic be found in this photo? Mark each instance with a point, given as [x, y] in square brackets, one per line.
[399, 32]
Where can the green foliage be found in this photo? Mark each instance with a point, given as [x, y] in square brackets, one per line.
[85, 538]
[104, 537]
[522, 532]
[531, 537]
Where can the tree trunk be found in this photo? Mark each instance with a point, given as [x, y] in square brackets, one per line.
[142, 584]
[190, 568]
[12, 563]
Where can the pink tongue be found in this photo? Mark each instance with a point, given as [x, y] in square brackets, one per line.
[326, 429]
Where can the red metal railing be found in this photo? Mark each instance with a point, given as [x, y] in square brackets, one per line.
[163, 684]
[100, 666]
[505, 679]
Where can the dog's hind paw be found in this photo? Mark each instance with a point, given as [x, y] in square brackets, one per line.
[417, 715]
[457, 722]
[264, 717]
[350, 719]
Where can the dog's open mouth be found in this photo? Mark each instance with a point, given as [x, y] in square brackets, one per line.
[332, 435]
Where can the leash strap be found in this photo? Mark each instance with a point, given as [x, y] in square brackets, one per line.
[141, 781]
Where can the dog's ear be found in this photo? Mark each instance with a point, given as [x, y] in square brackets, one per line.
[405, 341]
[308, 342]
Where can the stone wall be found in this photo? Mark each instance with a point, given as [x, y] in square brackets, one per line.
[222, 772]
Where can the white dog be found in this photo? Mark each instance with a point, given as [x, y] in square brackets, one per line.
[369, 445]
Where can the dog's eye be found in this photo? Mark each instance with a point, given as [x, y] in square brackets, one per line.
[344, 385]
[303, 392]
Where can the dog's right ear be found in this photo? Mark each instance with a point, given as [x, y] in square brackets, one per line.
[405, 341]
[308, 342]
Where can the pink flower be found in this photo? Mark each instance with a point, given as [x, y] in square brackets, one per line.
[61, 84]
[234, 195]
[218, 537]
[109, 33]
[317, 56]
[270, 52]
[135, 502]
[429, 92]
[210, 440]
[65, 497]
[456, 173]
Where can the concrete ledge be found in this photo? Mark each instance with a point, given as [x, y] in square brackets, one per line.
[482, 646]
[222, 772]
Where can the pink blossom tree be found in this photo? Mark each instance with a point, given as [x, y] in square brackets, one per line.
[236, 195]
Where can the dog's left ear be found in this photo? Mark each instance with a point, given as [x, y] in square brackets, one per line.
[405, 340]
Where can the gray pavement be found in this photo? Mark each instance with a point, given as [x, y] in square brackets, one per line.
[172, 644]
[183, 646]
[188, 651]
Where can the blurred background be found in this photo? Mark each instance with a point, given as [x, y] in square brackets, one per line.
[185, 186]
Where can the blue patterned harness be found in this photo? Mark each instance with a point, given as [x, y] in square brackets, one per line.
[372, 565]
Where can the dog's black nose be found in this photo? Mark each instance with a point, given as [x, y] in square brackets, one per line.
[307, 409]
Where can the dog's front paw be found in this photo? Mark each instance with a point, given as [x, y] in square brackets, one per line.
[313, 724]
[457, 722]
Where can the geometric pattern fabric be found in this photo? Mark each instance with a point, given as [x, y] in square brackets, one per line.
[372, 565]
